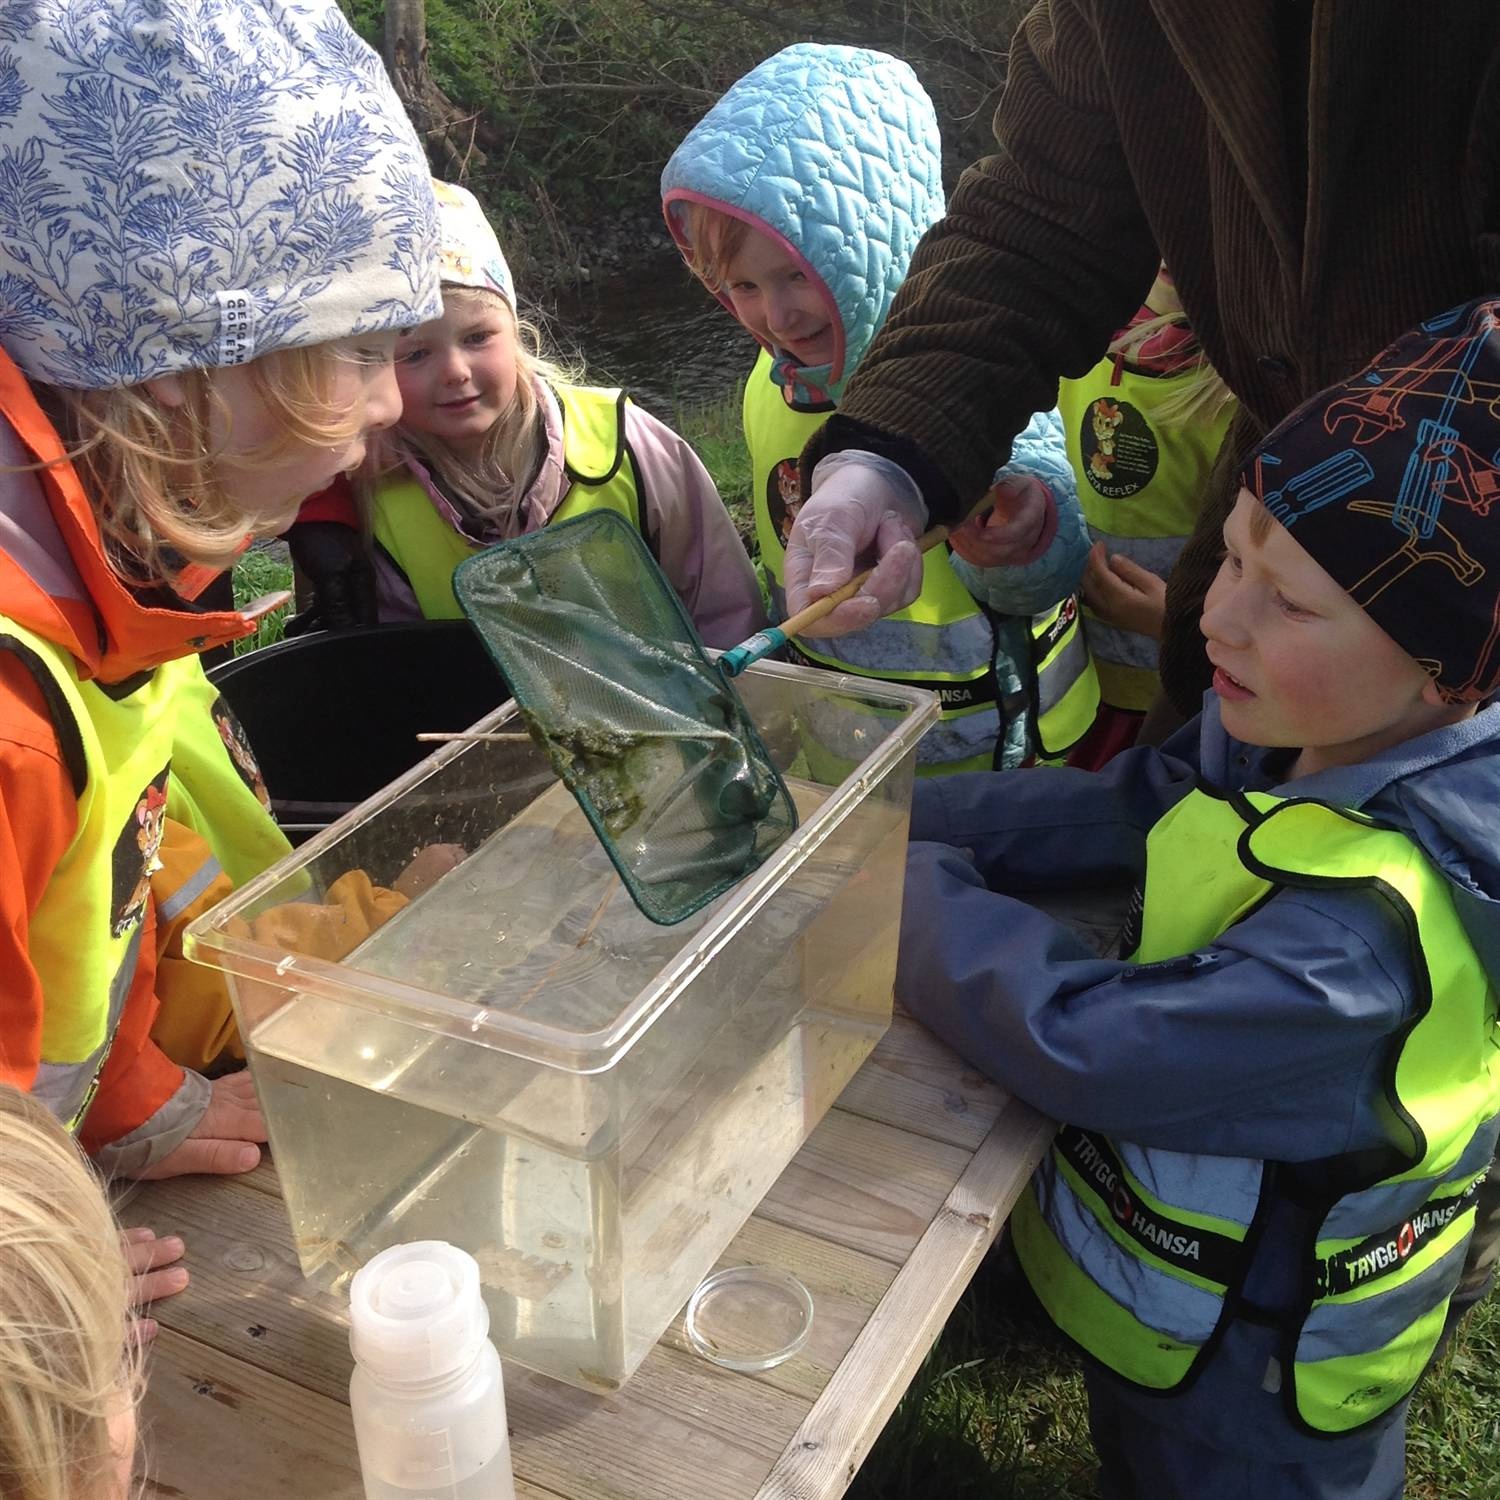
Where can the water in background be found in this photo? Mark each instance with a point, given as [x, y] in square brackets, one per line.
[656, 332]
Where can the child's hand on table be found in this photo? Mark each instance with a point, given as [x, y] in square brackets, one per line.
[154, 1272]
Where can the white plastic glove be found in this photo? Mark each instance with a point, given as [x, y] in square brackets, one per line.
[862, 509]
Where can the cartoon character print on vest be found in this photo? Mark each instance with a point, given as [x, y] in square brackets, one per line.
[237, 743]
[784, 497]
[136, 855]
[1118, 447]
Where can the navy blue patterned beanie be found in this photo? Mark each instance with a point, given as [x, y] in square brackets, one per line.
[1388, 480]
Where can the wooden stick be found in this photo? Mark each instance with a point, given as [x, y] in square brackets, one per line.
[830, 602]
[434, 737]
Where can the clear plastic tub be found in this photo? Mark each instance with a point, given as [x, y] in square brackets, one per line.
[519, 1063]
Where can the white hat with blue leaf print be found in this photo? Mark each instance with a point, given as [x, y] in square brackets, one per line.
[195, 183]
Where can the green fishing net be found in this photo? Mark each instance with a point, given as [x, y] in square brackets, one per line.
[611, 679]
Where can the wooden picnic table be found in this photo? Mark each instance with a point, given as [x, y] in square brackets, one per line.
[884, 1214]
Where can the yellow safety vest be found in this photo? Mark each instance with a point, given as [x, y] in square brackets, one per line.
[1064, 687]
[944, 642]
[1140, 485]
[1165, 1235]
[598, 461]
[121, 744]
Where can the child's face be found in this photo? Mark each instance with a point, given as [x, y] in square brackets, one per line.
[1299, 663]
[458, 373]
[777, 301]
[362, 382]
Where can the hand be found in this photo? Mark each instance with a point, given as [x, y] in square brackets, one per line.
[428, 867]
[154, 1273]
[335, 561]
[221, 1142]
[1005, 535]
[1123, 593]
[853, 512]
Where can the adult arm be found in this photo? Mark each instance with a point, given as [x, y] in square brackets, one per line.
[1044, 251]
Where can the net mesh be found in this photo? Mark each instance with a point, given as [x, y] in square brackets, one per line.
[613, 682]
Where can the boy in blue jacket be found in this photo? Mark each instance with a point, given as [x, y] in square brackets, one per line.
[1280, 1105]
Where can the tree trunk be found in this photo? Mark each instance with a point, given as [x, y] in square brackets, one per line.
[437, 122]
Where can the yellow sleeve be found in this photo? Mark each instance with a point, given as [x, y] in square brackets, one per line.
[195, 1023]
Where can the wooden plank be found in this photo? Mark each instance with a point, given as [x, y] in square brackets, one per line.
[914, 1082]
[845, 1285]
[248, 1304]
[680, 1427]
[827, 1450]
[865, 1185]
[247, 1296]
[212, 1426]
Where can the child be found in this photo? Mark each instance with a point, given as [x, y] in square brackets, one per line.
[1144, 427]
[69, 1380]
[1281, 1104]
[798, 200]
[493, 443]
[205, 344]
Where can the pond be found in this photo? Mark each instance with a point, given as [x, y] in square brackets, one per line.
[655, 332]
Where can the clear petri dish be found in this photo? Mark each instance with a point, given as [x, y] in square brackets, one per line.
[749, 1317]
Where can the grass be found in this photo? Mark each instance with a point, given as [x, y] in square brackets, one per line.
[715, 433]
[264, 569]
[998, 1411]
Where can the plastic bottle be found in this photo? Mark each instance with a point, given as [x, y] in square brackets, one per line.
[427, 1397]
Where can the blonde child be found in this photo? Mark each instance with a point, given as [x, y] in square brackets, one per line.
[226, 219]
[495, 441]
[797, 201]
[69, 1379]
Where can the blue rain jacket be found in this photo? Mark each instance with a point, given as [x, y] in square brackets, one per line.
[1273, 1046]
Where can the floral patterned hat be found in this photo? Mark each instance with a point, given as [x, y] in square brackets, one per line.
[195, 183]
[468, 251]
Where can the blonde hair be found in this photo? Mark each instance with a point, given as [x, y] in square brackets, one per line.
[149, 468]
[713, 239]
[490, 487]
[66, 1361]
[1201, 399]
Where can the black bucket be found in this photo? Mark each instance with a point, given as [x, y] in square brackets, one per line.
[334, 716]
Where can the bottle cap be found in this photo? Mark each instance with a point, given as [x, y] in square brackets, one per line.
[415, 1312]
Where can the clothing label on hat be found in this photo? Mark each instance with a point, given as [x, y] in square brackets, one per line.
[236, 328]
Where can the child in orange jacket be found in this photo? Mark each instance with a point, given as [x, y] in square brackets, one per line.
[189, 349]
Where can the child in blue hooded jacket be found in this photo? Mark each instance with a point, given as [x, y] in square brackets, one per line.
[798, 200]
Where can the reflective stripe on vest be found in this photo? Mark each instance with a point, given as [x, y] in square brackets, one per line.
[604, 474]
[944, 642]
[85, 934]
[1140, 485]
[216, 788]
[1065, 687]
[1137, 1253]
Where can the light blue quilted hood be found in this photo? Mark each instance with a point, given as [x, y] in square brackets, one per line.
[835, 152]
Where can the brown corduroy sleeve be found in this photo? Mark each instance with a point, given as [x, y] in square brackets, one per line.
[1044, 252]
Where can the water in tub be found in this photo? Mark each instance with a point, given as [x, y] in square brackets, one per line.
[593, 1202]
